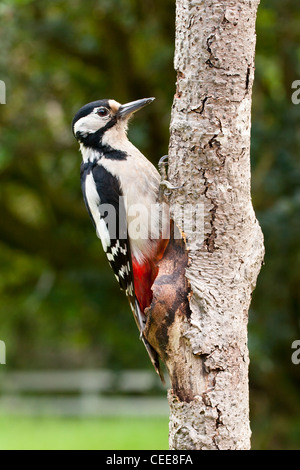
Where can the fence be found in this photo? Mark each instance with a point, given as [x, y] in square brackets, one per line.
[82, 393]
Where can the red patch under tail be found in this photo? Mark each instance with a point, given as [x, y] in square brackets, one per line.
[144, 276]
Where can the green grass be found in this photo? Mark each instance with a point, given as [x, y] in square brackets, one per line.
[51, 433]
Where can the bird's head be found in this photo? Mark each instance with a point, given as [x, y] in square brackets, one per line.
[100, 121]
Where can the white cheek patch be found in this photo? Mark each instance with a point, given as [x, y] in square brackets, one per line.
[89, 124]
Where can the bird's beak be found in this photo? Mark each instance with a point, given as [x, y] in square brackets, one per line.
[130, 108]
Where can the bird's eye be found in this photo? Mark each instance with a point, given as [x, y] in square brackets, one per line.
[102, 112]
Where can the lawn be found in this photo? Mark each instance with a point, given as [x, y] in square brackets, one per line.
[55, 433]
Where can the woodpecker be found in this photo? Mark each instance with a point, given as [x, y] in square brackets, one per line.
[114, 173]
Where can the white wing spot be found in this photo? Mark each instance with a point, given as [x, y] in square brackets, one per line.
[130, 289]
[115, 248]
[124, 270]
[123, 250]
[93, 201]
[103, 233]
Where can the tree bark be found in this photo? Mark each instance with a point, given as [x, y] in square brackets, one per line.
[209, 154]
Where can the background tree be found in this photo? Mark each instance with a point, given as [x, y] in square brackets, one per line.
[55, 288]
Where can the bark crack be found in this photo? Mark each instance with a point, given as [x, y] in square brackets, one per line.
[209, 241]
[248, 78]
[200, 109]
[219, 423]
[211, 61]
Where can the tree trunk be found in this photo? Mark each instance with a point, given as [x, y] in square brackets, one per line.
[209, 154]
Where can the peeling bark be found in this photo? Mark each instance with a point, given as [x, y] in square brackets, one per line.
[198, 319]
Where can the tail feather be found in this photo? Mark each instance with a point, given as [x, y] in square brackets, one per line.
[154, 357]
[140, 320]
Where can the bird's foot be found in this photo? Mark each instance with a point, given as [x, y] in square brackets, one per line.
[165, 185]
[162, 166]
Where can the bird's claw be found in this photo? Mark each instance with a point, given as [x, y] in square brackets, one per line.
[169, 185]
[162, 160]
[165, 184]
[162, 164]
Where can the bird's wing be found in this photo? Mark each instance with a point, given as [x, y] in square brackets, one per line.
[103, 198]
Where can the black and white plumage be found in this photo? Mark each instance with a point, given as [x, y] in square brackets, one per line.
[115, 176]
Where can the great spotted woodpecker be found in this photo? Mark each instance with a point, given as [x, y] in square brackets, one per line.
[114, 173]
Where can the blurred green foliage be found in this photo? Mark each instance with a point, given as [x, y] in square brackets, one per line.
[275, 310]
[60, 305]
